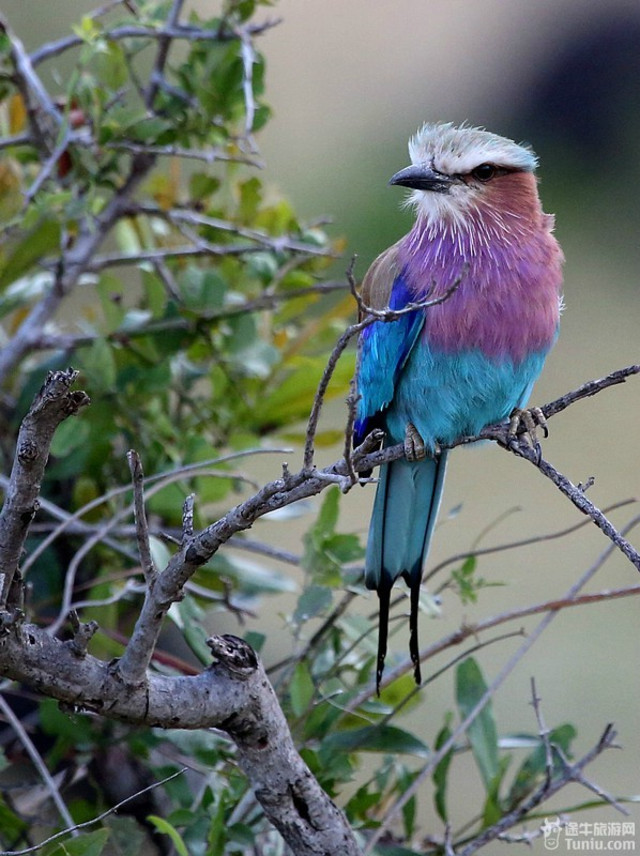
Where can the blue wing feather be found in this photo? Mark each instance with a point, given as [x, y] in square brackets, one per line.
[384, 350]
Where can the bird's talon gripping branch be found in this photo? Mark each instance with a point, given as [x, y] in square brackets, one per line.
[527, 422]
[414, 448]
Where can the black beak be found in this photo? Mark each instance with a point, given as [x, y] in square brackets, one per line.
[422, 177]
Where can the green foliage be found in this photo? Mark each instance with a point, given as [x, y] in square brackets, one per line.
[466, 581]
[86, 844]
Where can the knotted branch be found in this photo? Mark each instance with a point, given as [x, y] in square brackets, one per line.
[55, 402]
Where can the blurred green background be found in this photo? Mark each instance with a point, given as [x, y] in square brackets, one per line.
[348, 83]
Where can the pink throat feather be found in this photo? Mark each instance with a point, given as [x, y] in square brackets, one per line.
[507, 304]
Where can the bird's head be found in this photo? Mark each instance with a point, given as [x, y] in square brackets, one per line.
[457, 170]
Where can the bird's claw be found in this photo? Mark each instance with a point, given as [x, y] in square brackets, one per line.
[526, 423]
[414, 448]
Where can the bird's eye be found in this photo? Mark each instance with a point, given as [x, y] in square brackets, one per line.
[484, 172]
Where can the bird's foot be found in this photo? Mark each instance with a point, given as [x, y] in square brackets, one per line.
[526, 423]
[414, 448]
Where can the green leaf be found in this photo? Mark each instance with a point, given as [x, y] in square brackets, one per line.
[534, 768]
[325, 551]
[127, 837]
[111, 65]
[292, 396]
[328, 516]
[252, 578]
[109, 289]
[99, 365]
[86, 844]
[10, 824]
[202, 290]
[314, 600]
[441, 771]
[482, 733]
[189, 617]
[301, 689]
[24, 291]
[216, 836]
[166, 828]
[39, 242]
[70, 435]
[375, 738]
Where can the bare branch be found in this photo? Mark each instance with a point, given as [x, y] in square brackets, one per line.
[36, 758]
[74, 828]
[469, 631]
[548, 788]
[248, 59]
[368, 316]
[580, 500]
[164, 44]
[140, 516]
[500, 434]
[514, 545]
[590, 388]
[233, 694]
[187, 516]
[135, 31]
[44, 117]
[76, 262]
[53, 404]
[209, 155]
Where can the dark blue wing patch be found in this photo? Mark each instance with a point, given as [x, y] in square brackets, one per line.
[384, 348]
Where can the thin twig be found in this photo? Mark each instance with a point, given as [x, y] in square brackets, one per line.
[248, 55]
[209, 155]
[38, 763]
[548, 788]
[588, 389]
[136, 31]
[162, 54]
[74, 828]
[467, 631]
[165, 478]
[44, 117]
[543, 732]
[516, 545]
[140, 516]
[187, 516]
[47, 167]
[580, 500]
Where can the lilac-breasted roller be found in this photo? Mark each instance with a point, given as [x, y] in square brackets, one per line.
[436, 374]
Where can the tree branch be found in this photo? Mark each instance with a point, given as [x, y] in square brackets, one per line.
[75, 262]
[52, 405]
[233, 694]
[135, 31]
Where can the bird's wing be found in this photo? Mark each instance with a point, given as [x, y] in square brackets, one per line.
[384, 345]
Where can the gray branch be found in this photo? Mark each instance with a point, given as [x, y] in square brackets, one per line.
[233, 694]
[73, 264]
[52, 405]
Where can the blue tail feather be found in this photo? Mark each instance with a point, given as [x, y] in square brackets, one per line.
[404, 515]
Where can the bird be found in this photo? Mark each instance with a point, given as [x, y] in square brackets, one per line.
[482, 250]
